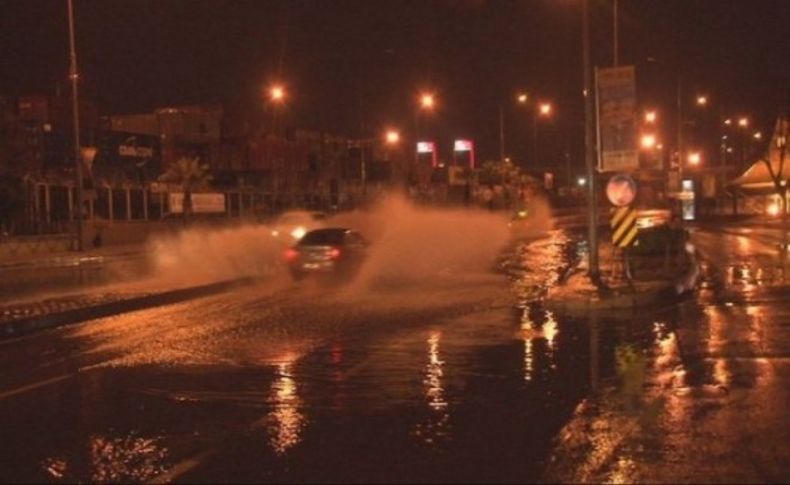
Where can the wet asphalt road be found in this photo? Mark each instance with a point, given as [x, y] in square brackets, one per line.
[456, 378]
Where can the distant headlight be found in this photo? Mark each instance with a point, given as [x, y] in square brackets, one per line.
[299, 232]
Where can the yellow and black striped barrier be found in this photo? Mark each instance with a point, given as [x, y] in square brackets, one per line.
[623, 225]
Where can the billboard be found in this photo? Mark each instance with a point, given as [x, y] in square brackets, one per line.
[426, 153]
[464, 153]
[617, 124]
[135, 156]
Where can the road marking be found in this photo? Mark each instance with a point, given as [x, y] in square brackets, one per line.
[35, 385]
[182, 467]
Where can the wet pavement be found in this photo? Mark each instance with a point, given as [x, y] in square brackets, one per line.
[461, 378]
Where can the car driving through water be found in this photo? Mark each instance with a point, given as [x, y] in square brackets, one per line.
[334, 251]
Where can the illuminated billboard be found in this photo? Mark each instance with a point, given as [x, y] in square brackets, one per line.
[426, 153]
[464, 153]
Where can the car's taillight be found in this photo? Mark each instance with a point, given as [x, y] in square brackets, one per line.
[334, 253]
[291, 254]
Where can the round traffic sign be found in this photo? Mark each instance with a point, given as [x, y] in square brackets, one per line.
[621, 190]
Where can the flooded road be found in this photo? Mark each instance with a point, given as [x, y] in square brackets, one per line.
[463, 377]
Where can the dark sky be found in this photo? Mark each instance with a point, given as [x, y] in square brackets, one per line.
[347, 61]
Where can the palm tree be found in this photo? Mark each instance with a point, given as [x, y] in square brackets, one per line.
[191, 175]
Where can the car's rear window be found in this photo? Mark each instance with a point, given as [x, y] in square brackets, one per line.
[323, 237]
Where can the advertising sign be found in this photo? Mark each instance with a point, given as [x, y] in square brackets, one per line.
[137, 156]
[425, 147]
[426, 152]
[617, 123]
[202, 203]
[464, 153]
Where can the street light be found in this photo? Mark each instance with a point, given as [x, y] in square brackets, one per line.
[545, 109]
[392, 137]
[728, 122]
[758, 135]
[522, 98]
[650, 116]
[743, 122]
[74, 76]
[427, 101]
[702, 100]
[648, 141]
[277, 93]
[694, 158]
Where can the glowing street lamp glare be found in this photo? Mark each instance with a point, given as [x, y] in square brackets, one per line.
[427, 101]
[650, 117]
[545, 109]
[694, 158]
[277, 93]
[522, 98]
[648, 141]
[702, 100]
[392, 137]
[744, 122]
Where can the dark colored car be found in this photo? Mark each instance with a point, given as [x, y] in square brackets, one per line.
[333, 251]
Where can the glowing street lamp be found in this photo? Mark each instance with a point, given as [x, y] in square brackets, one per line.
[758, 135]
[694, 158]
[392, 137]
[648, 141]
[743, 122]
[545, 109]
[702, 100]
[650, 116]
[522, 98]
[277, 93]
[728, 122]
[427, 101]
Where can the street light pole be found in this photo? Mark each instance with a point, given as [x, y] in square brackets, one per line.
[501, 133]
[589, 148]
[74, 75]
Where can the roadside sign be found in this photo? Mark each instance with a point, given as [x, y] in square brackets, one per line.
[617, 124]
[621, 190]
[623, 224]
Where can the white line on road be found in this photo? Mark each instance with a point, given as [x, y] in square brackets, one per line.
[35, 385]
[182, 467]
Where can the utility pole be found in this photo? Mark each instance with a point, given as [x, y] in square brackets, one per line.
[680, 143]
[616, 43]
[501, 133]
[74, 76]
[589, 148]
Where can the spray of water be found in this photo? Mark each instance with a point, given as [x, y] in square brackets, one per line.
[199, 255]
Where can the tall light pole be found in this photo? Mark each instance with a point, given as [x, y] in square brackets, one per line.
[543, 109]
[74, 76]
[501, 133]
[589, 149]
[426, 102]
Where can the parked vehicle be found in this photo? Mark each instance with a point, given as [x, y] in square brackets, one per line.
[334, 251]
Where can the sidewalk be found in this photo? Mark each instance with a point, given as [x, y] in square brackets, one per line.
[73, 258]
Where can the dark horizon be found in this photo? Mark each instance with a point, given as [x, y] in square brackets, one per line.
[354, 63]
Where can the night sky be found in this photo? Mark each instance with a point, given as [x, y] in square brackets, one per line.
[353, 63]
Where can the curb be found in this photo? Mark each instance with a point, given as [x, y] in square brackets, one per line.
[629, 302]
[64, 261]
[26, 326]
